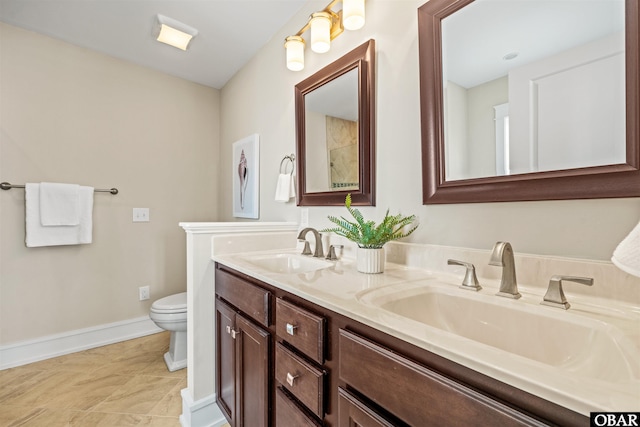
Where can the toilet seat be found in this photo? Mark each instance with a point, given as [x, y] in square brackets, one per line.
[172, 304]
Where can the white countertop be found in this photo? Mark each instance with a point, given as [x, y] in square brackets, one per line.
[341, 288]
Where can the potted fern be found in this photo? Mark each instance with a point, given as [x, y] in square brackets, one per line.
[370, 237]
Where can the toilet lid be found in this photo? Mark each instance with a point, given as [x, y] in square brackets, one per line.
[176, 302]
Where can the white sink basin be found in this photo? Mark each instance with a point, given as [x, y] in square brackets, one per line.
[288, 263]
[587, 346]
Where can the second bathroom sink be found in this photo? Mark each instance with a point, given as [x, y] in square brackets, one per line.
[576, 343]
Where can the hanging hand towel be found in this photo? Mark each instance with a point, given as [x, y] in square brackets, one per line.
[59, 204]
[39, 235]
[627, 255]
[285, 188]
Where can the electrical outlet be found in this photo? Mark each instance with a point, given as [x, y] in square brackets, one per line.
[140, 214]
[143, 293]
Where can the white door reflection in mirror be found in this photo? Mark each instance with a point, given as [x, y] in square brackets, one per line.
[331, 135]
[558, 68]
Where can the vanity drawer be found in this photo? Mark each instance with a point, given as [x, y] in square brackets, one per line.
[414, 393]
[301, 328]
[353, 412]
[300, 378]
[289, 414]
[250, 299]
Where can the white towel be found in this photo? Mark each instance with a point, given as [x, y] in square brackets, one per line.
[39, 235]
[627, 255]
[59, 204]
[285, 188]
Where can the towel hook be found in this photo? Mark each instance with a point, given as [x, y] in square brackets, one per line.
[291, 159]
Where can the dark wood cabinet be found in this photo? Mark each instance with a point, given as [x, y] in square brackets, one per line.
[225, 360]
[294, 364]
[393, 381]
[243, 368]
[291, 414]
[352, 412]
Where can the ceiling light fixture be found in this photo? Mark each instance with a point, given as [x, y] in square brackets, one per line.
[175, 33]
[325, 25]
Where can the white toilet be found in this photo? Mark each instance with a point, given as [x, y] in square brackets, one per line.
[170, 313]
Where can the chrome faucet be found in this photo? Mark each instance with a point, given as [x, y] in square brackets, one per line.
[502, 256]
[318, 252]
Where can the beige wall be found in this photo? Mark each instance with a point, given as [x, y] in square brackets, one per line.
[71, 115]
[260, 99]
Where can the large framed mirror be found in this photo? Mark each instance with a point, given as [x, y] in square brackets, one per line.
[335, 131]
[529, 100]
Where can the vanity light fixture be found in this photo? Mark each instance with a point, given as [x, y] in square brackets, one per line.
[175, 33]
[295, 52]
[324, 26]
[353, 14]
[320, 32]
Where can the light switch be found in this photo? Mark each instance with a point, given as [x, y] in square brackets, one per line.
[140, 214]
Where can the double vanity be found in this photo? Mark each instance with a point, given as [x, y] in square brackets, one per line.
[301, 340]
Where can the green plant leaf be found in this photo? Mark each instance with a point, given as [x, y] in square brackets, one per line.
[366, 233]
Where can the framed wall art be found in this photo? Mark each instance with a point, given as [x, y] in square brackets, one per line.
[246, 174]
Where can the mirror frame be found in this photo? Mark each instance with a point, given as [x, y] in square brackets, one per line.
[361, 58]
[609, 181]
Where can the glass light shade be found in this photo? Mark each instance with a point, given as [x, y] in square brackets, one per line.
[173, 37]
[294, 46]
[320, 32]
[353, 14]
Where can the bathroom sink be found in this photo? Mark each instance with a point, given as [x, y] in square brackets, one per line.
[288, 263]
[576, 343]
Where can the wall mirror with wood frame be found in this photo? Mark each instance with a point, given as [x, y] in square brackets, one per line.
[529, 100]
[335, 131]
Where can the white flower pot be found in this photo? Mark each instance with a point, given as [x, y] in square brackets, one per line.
[370, 260]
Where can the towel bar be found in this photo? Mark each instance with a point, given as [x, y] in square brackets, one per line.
[8, 186]
[291, 159]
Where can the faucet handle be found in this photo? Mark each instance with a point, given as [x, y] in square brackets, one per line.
[307, 247]
[331, 255]
[470, 280]
[555, 296]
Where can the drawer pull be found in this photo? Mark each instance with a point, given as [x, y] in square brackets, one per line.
[291, 329]
[291, 378]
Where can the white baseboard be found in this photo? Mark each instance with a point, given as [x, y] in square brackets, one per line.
[203, 413]
[70, 342]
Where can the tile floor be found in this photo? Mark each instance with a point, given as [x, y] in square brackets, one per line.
[119, 385]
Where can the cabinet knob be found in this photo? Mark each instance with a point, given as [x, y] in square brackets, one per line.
[234, 333]
[291, 329]
[229, 329]
[291, 379]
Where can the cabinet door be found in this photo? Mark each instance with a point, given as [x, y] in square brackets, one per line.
[226, 360]
[252, 374]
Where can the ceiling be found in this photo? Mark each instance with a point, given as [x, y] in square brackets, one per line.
[230, 32]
